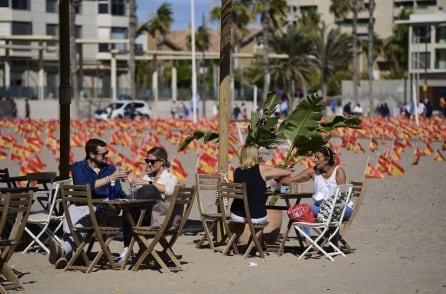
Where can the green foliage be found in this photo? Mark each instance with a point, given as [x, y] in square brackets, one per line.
[303, 128]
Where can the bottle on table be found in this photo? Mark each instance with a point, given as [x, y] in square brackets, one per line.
[112, 191]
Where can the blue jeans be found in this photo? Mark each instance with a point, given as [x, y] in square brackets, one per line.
[315, 208]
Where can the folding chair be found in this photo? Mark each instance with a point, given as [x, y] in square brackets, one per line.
[231, 191]
[325, 229]
[42, 184]
[47, 220]
[182, 199]
[17, 213]
[207, 193]
[357, 197]
[80, 195]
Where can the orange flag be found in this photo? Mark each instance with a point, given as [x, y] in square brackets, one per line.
[372, 172]
[438, 156]
[373, 145]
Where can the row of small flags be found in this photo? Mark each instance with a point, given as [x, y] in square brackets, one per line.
[175, 131]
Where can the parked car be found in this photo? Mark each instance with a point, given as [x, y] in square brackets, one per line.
[124, 109]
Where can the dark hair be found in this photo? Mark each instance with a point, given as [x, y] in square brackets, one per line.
[92, 146]
[161, 154]
[328, 153]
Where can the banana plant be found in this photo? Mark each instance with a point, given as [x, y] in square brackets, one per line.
[303, 128]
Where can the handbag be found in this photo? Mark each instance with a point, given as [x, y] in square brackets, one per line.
[301, 213]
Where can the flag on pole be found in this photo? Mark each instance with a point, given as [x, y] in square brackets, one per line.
[177, 169]
[438, 156]
[372, 172]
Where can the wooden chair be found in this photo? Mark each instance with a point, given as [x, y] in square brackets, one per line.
[227, 193]
[4, 177]
[149, 237]
[80, 195]
[207, 193]
[17, 212]
[4, 205]
[47, 220]
[358, 194]
[325, 229]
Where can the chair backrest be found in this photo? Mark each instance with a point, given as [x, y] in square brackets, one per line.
[42, 178]
[332, 210]
[207, 187]
[184, 202]
[18, 211]
[56, 193]
[228, 193]
[4, 177]
[79, 195]
[4, 205]
[357, 197]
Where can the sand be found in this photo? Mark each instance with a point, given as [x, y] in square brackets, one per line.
[399, 237]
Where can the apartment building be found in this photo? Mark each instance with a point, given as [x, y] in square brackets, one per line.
[427, 36]
[29, 33]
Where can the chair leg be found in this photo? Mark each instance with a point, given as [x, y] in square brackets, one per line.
[285, 236]
[231, 244]
[9, 275]
[207, 235]
[255, 242]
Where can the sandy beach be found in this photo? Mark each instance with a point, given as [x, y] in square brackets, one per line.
[399, 237]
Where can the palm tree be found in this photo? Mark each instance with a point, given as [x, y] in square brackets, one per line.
[296, 43]
[241, 16]
[158, 27]
[272, 13]
[331, 53]
[340, 8]
[395, 48]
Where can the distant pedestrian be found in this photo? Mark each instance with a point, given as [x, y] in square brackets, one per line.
[27, 109]
[13, 108]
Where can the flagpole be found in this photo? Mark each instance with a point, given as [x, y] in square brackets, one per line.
[194, 70]
[365, 170]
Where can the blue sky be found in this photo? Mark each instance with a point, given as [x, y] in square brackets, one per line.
[181, 11]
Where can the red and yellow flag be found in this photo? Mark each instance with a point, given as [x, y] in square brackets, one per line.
[177, 169]
[438, 156]
[372, 172]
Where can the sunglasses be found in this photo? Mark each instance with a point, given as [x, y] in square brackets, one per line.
[151, 161]
[102, 153]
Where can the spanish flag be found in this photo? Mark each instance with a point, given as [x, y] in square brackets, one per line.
[438, 156]
[177, 169]
[395, 168]
[372, 172]
[427, 149]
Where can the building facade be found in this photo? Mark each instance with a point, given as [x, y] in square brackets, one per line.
[29, 33]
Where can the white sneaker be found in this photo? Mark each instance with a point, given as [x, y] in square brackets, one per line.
[123, 254]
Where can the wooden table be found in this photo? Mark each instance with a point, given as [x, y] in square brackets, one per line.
[127, 205]
[287, 198]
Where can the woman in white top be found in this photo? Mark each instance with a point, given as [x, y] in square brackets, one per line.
[326, 176]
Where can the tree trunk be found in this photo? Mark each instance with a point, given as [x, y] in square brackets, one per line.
[265, 29]
[73, 59]
[354, 53]
[370, 54]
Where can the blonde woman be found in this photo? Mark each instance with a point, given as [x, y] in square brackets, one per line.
[254, 175]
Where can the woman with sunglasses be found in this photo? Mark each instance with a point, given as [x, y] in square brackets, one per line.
[159, 183]
[326, 175]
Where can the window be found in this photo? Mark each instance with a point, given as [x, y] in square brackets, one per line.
[119, 33]
[118, 7]
[51, 5]
[52, 29]
[4, 3]
[441, 34]
[20, 4]
[21, 28]
[440, 59]
[78, 32]
[103, 6]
